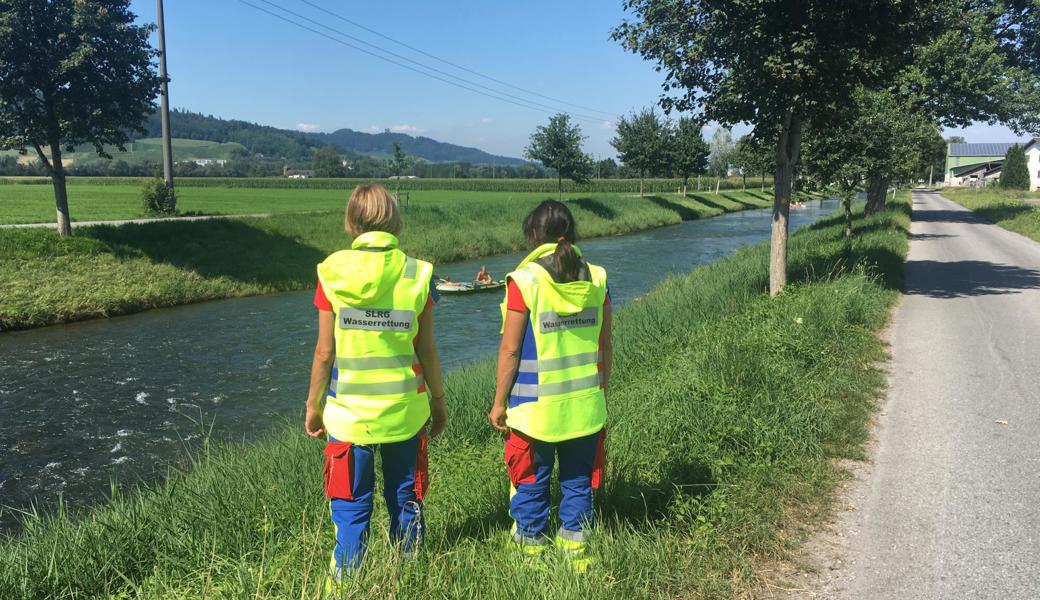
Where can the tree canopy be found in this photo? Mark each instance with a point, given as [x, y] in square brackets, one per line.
[72, 72]
[689, 151]
[642, 142]
[558, 146]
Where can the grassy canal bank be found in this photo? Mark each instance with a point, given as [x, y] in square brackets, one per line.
[1013, 210]
[104, 271]
[726, 411]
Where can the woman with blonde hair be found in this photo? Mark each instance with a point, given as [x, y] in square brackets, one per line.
[377, 371]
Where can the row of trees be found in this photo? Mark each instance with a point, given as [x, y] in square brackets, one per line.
[648, 145]
[853, 87]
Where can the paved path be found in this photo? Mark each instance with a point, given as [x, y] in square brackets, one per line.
[52, 224]
[950, 507]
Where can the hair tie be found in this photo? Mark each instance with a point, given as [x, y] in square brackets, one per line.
[562, 238]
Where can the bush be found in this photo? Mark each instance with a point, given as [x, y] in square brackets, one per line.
[1015, 175]
[159, 199]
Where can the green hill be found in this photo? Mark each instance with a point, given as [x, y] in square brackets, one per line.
[150, 150]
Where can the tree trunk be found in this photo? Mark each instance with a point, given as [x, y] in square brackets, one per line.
[698, 182]
[685, 181]
[763, 181]
[559, 184]
[877, 193]
[61, 196]
[640, 184]
[846, 203]
[786, 157]
[743, 181]
[718, 182]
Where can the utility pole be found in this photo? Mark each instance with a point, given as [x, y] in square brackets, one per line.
[165, 107]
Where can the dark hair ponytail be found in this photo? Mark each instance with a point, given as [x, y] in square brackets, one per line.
[552, 222]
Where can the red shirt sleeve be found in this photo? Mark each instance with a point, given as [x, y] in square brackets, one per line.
[514, 299]
[320, 300]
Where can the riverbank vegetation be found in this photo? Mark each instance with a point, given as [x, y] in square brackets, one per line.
[104, 270]
[751, 398]
[1016, 210]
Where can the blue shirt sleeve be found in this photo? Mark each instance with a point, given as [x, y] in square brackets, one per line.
[434, 295]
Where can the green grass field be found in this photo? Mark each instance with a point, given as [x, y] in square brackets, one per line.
[104, 271]
[1003, 207]
[726, 410]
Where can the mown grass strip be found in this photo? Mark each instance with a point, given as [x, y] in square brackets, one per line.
[1013, 210]
[725, 411]
[104, 271]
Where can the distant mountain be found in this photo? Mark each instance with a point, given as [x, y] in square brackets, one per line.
[381, 144]
[294, 145]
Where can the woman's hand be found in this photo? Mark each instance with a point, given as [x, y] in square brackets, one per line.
[497, 416]
[438, 416]
[313, 423]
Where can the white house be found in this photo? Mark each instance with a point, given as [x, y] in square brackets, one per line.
[1032, 150]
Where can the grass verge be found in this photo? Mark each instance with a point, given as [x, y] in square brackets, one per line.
[1010, 209]
[104, 270]
[726, 410]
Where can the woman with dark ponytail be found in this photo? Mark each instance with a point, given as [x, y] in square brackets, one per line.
[554, 364]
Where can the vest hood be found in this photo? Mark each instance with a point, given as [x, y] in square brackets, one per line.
[366, 273]
[564, 298]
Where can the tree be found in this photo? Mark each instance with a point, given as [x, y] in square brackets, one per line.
[721, 153]
[1014, 175]
[749, 156]
[956, 139]
[558, 146]
[327, 163]
[72, 72]
[400, 162]
[773, 65]
[606, 168]
[689, 151]
[642, 142]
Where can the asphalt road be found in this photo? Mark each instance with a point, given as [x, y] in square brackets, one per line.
[950, 507]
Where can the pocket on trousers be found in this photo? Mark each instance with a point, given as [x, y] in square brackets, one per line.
[600, 461]
[422, 467]
[519, 458]
[339, 471]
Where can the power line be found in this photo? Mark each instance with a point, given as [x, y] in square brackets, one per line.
[448, 62]
[521, 102]
[425, 66]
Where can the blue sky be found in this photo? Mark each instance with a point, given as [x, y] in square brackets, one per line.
[231, 60]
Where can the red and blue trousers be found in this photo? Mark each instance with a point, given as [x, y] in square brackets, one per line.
[530, 461]
[350, 487]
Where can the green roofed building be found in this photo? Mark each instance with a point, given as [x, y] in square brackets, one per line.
[968, 164]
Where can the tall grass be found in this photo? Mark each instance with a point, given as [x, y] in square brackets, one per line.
[724, 412]
[104, 271]
[1007, 208]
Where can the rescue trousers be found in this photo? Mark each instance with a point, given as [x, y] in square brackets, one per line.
[350, 486]
[530, 465]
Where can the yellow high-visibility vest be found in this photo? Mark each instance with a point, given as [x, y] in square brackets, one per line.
[377, 294]
[557, 394]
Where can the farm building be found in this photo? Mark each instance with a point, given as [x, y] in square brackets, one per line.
[1033, 163]
[967, 164]
[296, 173]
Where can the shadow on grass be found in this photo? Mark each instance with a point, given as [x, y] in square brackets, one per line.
[705, 200]
[596, 207]
[229, 248]
[640, 504]
[733, 198]
[685, 212]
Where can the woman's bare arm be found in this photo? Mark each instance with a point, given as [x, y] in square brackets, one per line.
[321, 369]
[426, 350]
[508, 365]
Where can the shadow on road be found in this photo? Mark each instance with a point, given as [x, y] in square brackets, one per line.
[930, 236]
[947, 216]
[965, 278]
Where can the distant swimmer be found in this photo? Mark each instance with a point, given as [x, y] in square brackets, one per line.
[483, 276]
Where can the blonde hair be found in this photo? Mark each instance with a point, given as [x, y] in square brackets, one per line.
[372, 208]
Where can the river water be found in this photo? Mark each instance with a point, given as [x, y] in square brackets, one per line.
[89, 403]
